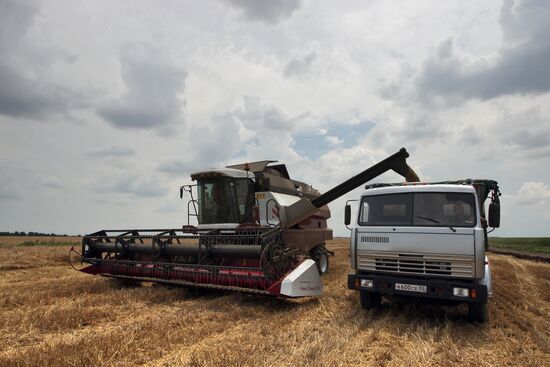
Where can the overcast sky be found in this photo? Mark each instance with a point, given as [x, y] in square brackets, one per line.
[107, 106]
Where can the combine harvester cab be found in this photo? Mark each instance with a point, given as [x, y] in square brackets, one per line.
[258, 231]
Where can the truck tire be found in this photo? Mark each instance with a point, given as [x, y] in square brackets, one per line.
[478, 312]
[320, 256]
[370, 300]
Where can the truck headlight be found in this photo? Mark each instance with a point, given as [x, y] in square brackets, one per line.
[460, 292]
[367, 283]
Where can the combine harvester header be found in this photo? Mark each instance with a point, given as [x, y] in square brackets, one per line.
[258, 231]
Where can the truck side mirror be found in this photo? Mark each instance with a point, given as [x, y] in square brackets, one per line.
[347, 215]
[181, 192]
[494, 214]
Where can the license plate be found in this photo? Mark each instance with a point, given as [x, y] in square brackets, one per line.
[411, 288]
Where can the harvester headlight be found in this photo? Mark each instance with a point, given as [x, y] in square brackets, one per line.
[367, 283]
[460, 292]
[86, 248]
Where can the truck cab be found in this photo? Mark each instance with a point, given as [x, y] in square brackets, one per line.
[423, 241]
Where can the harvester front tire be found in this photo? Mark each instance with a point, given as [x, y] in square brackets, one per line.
[478, 312]
[370, 300]
[320, 256]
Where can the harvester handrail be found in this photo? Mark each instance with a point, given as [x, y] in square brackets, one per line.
[198, 266]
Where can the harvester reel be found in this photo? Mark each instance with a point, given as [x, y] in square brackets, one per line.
[274, 261]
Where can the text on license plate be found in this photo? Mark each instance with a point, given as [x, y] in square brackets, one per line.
[411, 287]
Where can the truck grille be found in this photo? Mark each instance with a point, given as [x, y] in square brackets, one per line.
[416, 264]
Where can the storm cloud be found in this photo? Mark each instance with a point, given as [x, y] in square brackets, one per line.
[256, 115]
[519, 67]
[154, 91]
[25, 90]
[299, 65]
[272, 11]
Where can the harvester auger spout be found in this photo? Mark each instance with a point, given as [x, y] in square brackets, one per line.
[397, 162]
[258, 231]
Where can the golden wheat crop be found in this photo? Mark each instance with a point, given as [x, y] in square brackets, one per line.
[51, 315]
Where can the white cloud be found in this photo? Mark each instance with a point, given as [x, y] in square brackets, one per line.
[9, 191]
[145, 185]
[256, 116]
[49, 182]
[333, 140]
[533, 193]
[110, 151]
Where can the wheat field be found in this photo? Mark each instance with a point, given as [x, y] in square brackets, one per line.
[51, 315]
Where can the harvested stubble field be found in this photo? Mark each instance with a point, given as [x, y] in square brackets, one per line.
[53, 315]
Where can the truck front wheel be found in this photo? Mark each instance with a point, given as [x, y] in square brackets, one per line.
[478, 312]
[370, 300]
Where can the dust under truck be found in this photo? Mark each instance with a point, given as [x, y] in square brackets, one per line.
[258, 231]
[424, 240]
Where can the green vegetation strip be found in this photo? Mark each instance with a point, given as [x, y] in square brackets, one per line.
[540, 245]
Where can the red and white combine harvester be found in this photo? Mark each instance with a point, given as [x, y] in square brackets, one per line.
[258, 231]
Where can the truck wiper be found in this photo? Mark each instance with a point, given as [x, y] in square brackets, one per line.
[430, 219]
[435, 221]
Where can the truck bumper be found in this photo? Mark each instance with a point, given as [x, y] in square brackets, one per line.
[435, 288]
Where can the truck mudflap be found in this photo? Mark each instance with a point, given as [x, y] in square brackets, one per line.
[487, 279]
[454, 290]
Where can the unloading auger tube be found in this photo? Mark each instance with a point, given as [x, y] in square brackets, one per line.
[397, 162]
[248, 258]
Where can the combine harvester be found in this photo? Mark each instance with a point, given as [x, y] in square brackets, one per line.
[258, 231]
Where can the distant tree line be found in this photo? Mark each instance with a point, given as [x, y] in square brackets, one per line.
[16, 233]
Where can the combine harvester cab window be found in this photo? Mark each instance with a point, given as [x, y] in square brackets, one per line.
[224, 200]
[419, 209]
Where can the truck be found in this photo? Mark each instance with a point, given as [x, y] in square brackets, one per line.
[424, 241]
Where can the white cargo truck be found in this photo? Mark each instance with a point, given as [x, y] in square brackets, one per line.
[424, 240]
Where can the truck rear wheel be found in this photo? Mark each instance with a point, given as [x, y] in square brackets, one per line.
[370, 300]
[320, 256]
[478, 312]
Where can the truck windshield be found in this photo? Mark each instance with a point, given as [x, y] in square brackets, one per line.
[440, 209]
[224, 200]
